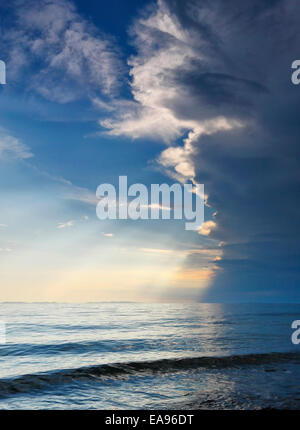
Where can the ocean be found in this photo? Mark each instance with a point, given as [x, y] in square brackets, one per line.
[149, 356]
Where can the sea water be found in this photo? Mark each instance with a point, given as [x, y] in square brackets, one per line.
[149, 356]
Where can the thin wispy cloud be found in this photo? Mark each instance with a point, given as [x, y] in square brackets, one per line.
[67, 224]
[67, 56]
[12, 148]
[157, 251]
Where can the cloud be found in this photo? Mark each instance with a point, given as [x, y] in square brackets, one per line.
[65, 224]
[207, 227]
[180, 158]
[74, 192]
[67, 190]
[157, 251]
[194, 276]
[59, 54]
[12, 148]
[196, 257]
[245, 169]
[164, 48]
[108, 234]
[212, 80]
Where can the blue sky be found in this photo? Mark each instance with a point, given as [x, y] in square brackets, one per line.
[161, 92]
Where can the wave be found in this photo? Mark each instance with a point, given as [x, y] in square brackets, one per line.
[84, 347]
[63, 327]
[40, 381]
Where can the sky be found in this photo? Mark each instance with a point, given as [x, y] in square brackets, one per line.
[187, 91]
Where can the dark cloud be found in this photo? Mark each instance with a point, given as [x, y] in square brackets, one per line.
[251, 174]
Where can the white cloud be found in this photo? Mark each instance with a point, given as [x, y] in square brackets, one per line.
[66, 224]
[68, 190]
[180, 158]
[207, 227]
[75, 60]
[164, 49]
[157, 206]
[157, 251]
[11, 147]
[81, 194]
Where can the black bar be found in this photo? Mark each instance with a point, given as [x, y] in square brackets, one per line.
[139, 419]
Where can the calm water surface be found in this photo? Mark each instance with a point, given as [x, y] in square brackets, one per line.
[149, 356]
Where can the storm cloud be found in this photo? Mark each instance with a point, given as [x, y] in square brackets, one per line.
[217, 76]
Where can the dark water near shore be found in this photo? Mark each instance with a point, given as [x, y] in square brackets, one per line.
[156, 356]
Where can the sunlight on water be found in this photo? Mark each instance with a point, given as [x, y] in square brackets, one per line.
[72, 342]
